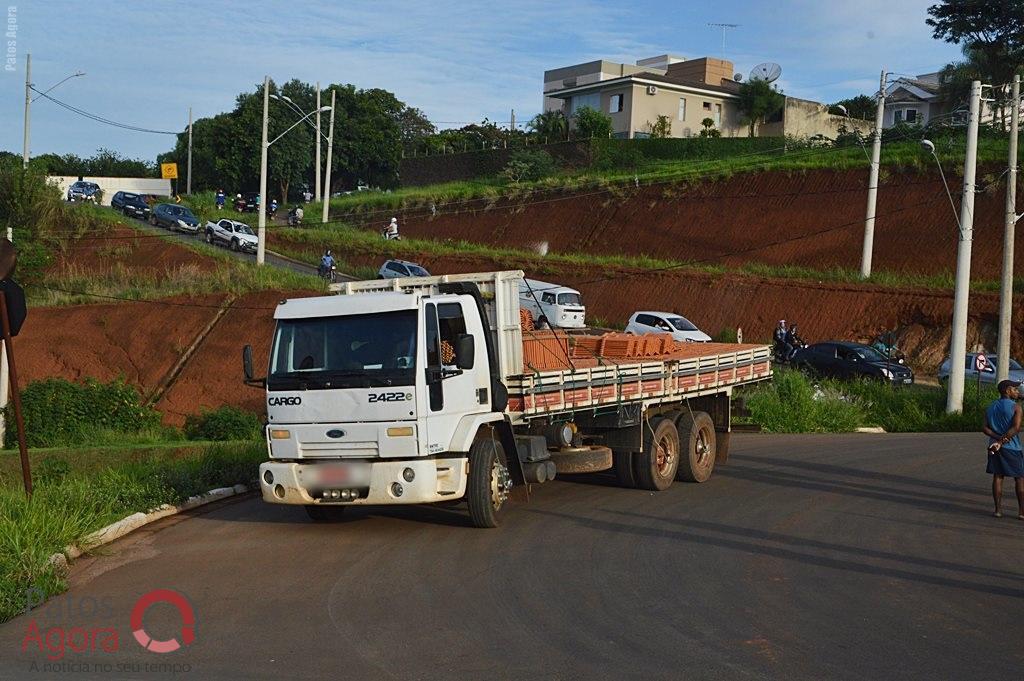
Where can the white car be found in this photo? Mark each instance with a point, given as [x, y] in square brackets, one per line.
[394, 269]
[238, 236]
[681, 328]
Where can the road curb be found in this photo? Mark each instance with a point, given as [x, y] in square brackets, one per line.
[128, 524]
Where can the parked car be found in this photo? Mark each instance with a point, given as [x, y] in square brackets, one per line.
[175, 217]
[988, 375]
[133, 206]
[842, 359]
[681, 328]
[83, 191]
[252, 201]
[393, 269]
[118, 199]
[552, 305]
[238, 236]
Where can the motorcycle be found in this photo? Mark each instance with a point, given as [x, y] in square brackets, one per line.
[330, 275]
[293, 219]
[391, 236]
[781, 352]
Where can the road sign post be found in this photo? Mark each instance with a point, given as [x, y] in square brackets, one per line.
[981, 364]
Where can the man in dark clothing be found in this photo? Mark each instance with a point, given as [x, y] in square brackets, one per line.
[1002, 425]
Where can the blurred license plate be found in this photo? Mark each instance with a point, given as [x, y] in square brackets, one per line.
[908, 380]
[340, 474]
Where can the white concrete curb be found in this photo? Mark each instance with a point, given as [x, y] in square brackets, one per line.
[135, 521]
[871, 429]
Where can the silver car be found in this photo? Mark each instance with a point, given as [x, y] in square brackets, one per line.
[988, 375]
[393, 269]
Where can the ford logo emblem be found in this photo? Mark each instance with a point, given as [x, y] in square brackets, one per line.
[335, 433]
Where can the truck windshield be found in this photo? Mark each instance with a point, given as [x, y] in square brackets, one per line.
[354, 351]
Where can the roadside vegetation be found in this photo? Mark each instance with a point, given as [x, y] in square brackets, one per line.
[73, 497]
[794, 403]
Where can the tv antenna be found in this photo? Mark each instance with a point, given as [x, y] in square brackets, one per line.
[768, 72]
[724, 27]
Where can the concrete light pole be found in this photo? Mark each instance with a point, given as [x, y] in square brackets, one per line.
[28, 106]
[316, 182]
[327, 170]
[958, 341]
[188, 182]
[876, 155]
[261, 246]
[1006, 288]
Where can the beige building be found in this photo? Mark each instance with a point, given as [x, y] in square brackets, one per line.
[687, 91]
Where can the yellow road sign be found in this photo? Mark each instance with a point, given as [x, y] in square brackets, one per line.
[169, 171]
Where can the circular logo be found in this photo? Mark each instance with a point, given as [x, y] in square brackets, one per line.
[188, 621]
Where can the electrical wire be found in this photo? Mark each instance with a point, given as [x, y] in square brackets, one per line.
[101, 119]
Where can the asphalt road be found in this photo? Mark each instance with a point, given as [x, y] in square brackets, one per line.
[270, 257]
[807, 557]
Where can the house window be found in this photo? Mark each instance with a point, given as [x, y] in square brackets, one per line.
[707, 106]
[682, 108]
[615, 104]
[905, 116]
[579, 101]
[718, 115]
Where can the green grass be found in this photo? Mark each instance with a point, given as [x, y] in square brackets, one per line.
[792, 403]
[305, 244]
[67, 507]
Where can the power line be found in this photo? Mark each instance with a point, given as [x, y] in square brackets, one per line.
[101, 119]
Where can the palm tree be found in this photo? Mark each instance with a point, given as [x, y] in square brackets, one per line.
[550, 125]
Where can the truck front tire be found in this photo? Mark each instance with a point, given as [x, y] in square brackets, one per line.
[489, 483]
[655, 467]
[699, 442]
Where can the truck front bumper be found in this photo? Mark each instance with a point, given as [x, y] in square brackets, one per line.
[389, 483]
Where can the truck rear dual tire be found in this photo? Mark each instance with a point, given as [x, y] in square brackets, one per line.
[698, 440]
[655, 467]
[489, 483]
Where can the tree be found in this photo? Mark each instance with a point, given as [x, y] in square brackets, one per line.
[551, 126]
[758, 99]
[592, 123]
[708, 128]
[991, 34]
[528, 166]
[661, 128]
[415, 126]
[861, 106]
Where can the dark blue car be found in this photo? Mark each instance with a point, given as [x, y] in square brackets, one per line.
[174, 217]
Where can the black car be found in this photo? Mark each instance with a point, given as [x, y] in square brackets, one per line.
[841, 359]
[174, 217]
[118, 200]
[132, 205]
[83, 191]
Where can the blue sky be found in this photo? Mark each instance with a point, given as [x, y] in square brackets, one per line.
[147, 62]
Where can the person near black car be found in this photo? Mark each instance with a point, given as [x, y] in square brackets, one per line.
[793, 339]
[220, 199]
[1002, 425]
[784, 349]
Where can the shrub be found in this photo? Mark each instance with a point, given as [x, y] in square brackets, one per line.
[726, 335]
[529, 166]
[222, 424]
[591, 123]
[60, 413]
[614, 154]
[791, 404]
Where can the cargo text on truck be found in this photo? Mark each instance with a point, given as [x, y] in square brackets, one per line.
[415, 390]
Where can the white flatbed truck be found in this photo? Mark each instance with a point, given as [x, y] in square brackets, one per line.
[413, 391]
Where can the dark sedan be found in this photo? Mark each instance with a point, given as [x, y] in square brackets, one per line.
[174, 217]
[134, 206]
[841, 359]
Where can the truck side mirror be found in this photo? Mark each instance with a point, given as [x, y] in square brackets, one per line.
[247, 362]
[465, 351]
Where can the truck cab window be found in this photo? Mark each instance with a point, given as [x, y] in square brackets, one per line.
[451, 324]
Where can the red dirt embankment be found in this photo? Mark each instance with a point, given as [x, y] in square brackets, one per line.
[813, 218]
[142, 253]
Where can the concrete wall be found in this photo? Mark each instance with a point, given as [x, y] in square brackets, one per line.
[112, 185]
[804, 118]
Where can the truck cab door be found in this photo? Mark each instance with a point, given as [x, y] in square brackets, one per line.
[453, 392]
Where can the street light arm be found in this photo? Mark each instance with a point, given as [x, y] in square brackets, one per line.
[952, 203]
[304, 118]
[54, 87]
[304, 115]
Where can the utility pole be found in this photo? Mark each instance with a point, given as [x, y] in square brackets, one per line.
[958, 342]
[876, 156]
[327, 170]
[512, 126]
[28, 105]
[1006, 288]
[261, 246]
[316, 182]
[188, 181]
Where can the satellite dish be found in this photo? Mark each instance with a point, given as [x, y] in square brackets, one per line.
[767, 71]
[738, 77]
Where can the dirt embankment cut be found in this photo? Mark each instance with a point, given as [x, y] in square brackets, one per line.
[813, 219]
[142, 253]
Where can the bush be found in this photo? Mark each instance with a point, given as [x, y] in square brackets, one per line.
[529, 166]
[591, 123]
[726, 335]
[223, 424]
[790, 404]
[60, 413]
[611, 154]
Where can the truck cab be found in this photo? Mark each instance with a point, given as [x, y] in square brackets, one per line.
[401, 379]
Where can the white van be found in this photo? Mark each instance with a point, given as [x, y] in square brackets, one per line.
[560, 306]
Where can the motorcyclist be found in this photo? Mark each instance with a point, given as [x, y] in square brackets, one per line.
[239, 203]
[783, 350]
[794, 340]
[272, 208]
[326, 263]
[391, 231]
[295, 216]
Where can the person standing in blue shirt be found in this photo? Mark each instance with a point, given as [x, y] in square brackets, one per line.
[1002, 425]
[220, 199]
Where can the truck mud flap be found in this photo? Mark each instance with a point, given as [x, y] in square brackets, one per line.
[515, 466]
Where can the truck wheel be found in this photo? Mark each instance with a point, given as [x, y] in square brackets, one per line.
[592, 459]
[698, 440]
[489, 483]
[325, 514]
[623, 464]
[655, 467]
